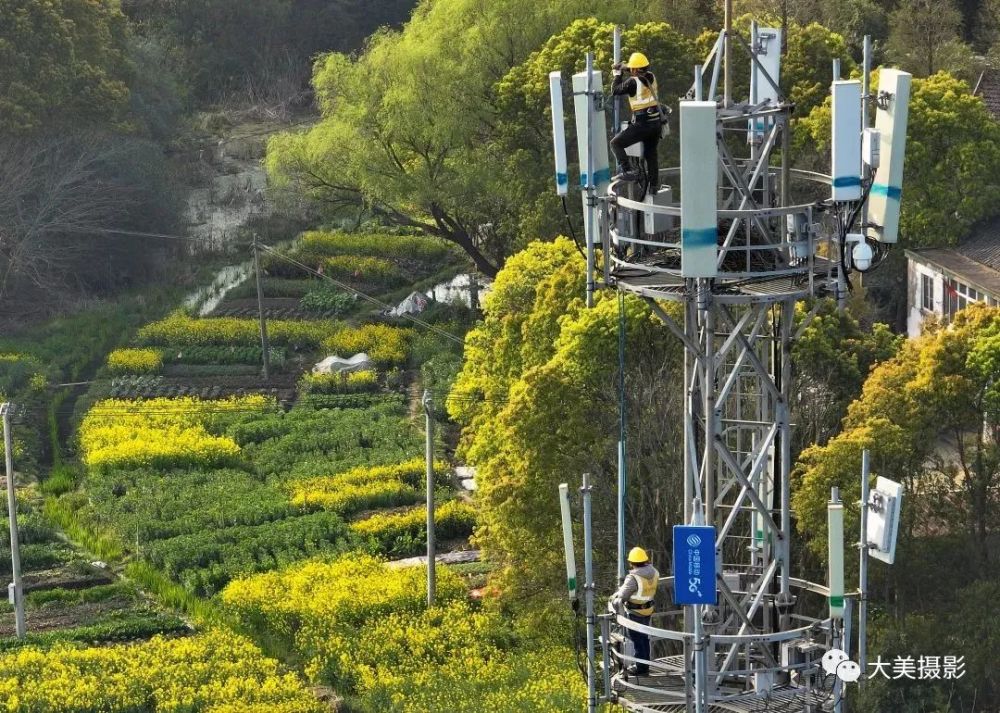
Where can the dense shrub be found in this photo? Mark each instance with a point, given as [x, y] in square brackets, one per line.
[135, 361]
[16, 372]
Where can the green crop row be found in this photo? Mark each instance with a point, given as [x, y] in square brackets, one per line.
[186, 354]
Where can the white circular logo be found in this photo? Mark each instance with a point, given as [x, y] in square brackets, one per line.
[693, 540]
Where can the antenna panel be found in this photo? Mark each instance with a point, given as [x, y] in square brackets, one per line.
[558, 133]
[699, 189]
[846, 141]
[602, 169]
[883, 204]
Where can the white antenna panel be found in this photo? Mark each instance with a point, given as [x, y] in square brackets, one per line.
[768, 43]
[846, 141]
[884, 503]
[558, 133]
[699, 189]
[602, 169]
[890, 120]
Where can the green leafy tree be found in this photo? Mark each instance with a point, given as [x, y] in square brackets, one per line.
[924, 37]
[408, 128]
[537, 400]
[62, 64]
[930, 418]
[831, 360]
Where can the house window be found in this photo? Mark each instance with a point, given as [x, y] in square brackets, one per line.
[927, 292]
[958, 296]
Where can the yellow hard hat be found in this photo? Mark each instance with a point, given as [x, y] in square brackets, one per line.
[637, 61]
[638, 555]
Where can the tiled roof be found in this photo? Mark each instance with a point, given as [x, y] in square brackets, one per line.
[976, 261]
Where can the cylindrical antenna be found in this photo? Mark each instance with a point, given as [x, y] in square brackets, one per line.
[588, 573]
[616, 101]
[567, 529]
[591, 186]
[558, 133]
[697, 82]
[863, 567]
[727, 72]
[835, 530]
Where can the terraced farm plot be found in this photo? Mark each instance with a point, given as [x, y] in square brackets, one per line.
[221, 506]
[67, 598]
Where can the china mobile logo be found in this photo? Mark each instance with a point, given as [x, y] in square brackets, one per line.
[922, 668]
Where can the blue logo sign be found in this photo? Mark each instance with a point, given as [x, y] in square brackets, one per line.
[694, 565]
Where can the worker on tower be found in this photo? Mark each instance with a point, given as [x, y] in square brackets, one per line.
[636, 595]
[647, 118]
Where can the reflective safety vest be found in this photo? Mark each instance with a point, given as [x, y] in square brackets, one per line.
[645, 101]
[641, 602]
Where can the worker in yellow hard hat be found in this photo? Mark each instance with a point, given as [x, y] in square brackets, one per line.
[639, 85]
[636, 597]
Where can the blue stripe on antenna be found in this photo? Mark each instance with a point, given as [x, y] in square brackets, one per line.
[562, 179]
[890, 192]
[699, 237]
[846, 182]
[601, 176]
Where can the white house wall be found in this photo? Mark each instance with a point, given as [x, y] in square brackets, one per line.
[917, 314]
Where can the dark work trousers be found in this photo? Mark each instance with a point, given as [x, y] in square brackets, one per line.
[640, 641]
[648, 132]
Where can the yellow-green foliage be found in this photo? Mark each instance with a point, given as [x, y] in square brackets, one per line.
[183, 330]
[385, 345]
[319, 607]
[363, 268]
[379, 244]
[160, 433]
[217, 672]
[411, 472]
[452, 519]
[462, 660]
[353, 382]
[364, 487]
[135, 361]
[350, 497]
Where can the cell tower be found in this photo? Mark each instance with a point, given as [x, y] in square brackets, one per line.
[737, 237]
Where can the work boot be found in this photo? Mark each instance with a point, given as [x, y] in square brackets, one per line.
[627, 176]
[638, 670]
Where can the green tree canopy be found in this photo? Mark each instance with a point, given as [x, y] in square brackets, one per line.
[929, 417]
[62, 63]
